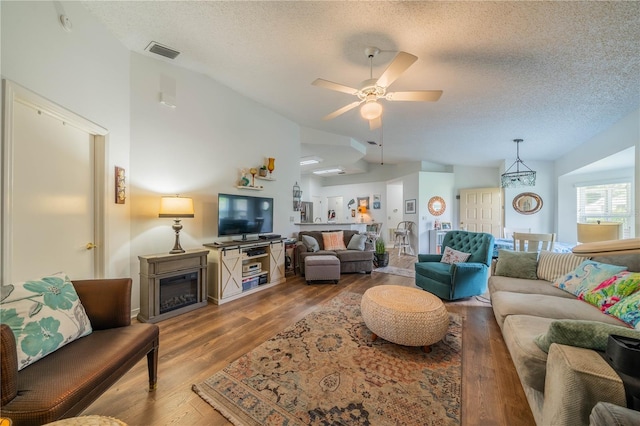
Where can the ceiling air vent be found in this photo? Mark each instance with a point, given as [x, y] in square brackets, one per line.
[158, 49]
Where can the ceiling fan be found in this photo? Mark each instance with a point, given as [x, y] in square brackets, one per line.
[372, 90]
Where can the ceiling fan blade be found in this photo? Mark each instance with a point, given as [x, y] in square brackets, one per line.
[334, 86]
[342, 110]
[400, 63]
[416, 95]
[375, 123]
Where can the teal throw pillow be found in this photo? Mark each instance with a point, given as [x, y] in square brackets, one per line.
[357, 242]
[44, 315]
[517, 264]
[582, 334]
[588, 275]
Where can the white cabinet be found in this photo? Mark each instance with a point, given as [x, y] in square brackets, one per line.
[435, 240]
[238, 269]
[230, 272]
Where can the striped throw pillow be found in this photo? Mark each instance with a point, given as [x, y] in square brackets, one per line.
[552, 266]
[333, 240]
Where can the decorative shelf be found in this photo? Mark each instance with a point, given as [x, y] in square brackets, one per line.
[264, 178]
[252, 188]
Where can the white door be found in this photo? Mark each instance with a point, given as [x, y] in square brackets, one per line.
[481, 210]
[49, 182]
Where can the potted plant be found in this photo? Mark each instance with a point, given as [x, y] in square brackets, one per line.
[381, 254]
[263, 171]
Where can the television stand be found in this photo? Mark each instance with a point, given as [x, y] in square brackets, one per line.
[227, 259]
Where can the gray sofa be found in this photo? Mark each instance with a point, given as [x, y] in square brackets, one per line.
[351, 261]
[564, 385]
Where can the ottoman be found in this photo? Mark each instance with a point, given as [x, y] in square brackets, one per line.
[322, 268]
[404, 315]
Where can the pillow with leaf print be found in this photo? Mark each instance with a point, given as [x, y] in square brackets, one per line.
[44, 315]
[611, 291]
[627, 310]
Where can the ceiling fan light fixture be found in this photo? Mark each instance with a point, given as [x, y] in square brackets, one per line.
[371, 109]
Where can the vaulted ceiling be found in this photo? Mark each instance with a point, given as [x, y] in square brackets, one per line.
[552, 73]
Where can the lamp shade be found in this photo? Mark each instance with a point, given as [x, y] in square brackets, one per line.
[176, 207]
[593, 232]
[362, 209]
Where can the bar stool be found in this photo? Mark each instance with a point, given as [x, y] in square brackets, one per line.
[403, 238]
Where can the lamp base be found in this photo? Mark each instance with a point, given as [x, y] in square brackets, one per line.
[177, 226]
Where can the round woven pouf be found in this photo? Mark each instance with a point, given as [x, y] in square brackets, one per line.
[404, 315]
[88, 421]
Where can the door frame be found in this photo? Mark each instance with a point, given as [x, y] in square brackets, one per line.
[12, 93]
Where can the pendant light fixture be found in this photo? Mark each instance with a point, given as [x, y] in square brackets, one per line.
[518, 178]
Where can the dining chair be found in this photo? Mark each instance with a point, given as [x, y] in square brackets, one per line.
[533, 242]
[508, 232]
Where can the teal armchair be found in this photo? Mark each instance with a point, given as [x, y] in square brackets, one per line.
[459, 280]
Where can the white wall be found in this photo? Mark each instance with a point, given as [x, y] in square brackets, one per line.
[198, 150]
[621, 135]
[431, 185]
[85, 71]
[545, 187]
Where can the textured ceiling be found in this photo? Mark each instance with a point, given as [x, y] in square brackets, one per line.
[552, 73]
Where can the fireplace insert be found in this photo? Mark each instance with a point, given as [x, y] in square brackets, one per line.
[178, 291]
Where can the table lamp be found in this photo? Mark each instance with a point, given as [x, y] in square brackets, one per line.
[600, 231]
[176, 208]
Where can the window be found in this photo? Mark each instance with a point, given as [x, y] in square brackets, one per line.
[607, 203]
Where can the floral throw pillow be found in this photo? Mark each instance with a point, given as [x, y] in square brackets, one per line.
[627, 310]
[611, 291]
[44, 315]
[333, 240]
[451, 256]
[588, 275]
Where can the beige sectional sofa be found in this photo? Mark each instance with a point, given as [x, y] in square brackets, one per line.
[561, 386]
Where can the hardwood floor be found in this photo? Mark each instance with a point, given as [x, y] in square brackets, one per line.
[195, 345]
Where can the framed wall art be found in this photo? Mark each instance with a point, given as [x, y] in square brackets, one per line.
[120, 185]
[363, 202]
[410, 206]
[376, 201]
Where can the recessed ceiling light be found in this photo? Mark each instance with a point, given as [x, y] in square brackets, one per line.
[305, 161]
[326, 171]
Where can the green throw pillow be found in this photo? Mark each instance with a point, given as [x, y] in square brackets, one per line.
[582, 334]
[517, 264]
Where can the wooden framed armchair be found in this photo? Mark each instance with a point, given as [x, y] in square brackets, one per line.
[457, 280]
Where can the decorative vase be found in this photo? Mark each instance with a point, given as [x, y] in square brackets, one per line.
[271, 165]
[253, 172]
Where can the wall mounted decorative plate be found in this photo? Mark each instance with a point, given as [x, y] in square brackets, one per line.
[436, 206]
[527, 203]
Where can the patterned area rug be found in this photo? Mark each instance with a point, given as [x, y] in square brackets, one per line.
[324, 370]
[396, 271]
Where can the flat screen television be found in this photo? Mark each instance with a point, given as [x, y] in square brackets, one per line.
[242, 215]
